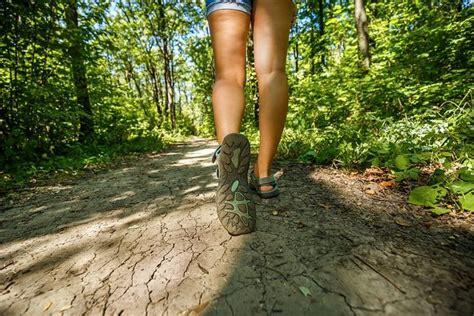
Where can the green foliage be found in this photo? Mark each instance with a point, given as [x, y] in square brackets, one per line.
[127, 66]
[149, 70]
[426, 195]
[75, 158]
[413, 110]
[460, 187]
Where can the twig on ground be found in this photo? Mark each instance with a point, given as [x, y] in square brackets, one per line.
[380, 273]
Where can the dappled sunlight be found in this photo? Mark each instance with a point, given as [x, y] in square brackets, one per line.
[211, 185]
[124, 195]
[191, 189]
[202, 153]
[110, 203]
[154, 240]
[149, 241]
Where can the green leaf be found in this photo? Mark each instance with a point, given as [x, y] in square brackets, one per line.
[466, 175]
[402, 162]
[305, 291]
[439, 210]
[416, 158]
[438, 176]
[407, 174]
[467, 202]
[426, 195]
[461, 187]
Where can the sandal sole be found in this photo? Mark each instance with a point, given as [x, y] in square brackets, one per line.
[266, 195]
[235, 206]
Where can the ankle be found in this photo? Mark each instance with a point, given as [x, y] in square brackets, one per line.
[261, 174]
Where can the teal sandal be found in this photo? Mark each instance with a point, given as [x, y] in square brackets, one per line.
[257, 183]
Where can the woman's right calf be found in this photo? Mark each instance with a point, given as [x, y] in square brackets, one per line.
[229, 31]
[228, 103]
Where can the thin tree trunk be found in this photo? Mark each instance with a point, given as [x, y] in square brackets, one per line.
[362, 25]
[156, 89]
[86, 129]
[312, 37]
[322, 31]
[172, 88]
[296, 48]
[167, 59]
[253, 81]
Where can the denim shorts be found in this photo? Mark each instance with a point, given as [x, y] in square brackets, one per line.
[240, 5]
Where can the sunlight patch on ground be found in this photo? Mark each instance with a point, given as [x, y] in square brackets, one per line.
[200, 157]
[201, 153]
[123, 196]
[192, 189]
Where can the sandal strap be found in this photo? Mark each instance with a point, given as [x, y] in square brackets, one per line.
[267, 180]
[216, 153]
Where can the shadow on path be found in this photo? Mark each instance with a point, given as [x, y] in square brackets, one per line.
[144, 238]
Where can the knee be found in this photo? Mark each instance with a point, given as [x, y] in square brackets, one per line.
[231, 77]
[269, 72]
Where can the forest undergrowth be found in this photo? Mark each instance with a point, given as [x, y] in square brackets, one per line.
[374, 85]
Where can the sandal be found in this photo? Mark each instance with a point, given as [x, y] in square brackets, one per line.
[235, 206]
[257, 183]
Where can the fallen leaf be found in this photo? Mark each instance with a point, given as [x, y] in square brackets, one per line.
[134, 227]
[387, 184]
[370, 191]
[305, 291]
[373, 171]
[47, 306]
[403, 222]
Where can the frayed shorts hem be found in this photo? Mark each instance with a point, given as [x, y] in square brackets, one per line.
[238, 6]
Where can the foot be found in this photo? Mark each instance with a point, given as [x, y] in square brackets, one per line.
[235, 207]
[257, 184]
[263, 188]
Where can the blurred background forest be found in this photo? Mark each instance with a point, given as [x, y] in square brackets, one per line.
[372, 83]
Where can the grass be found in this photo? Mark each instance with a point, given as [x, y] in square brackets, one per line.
[77, 158]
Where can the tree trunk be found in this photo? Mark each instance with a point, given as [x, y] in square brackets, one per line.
[172, 87]
[321, 31]
[362, 26]
[167, 52]
[169, 89]
[155, 88]
[253, 80]
[86, 129]
[296, 49]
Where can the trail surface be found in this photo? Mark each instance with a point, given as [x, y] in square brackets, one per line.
[144, 238]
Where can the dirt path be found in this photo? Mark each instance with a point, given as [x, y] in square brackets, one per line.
[144, 238]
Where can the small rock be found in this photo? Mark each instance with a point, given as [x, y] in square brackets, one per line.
[403, 222]
[370, 191]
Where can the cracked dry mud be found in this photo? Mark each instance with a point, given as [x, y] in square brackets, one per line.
[144, 238]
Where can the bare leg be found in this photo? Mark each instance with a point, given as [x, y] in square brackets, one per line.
[271, 28]
[229, 31]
